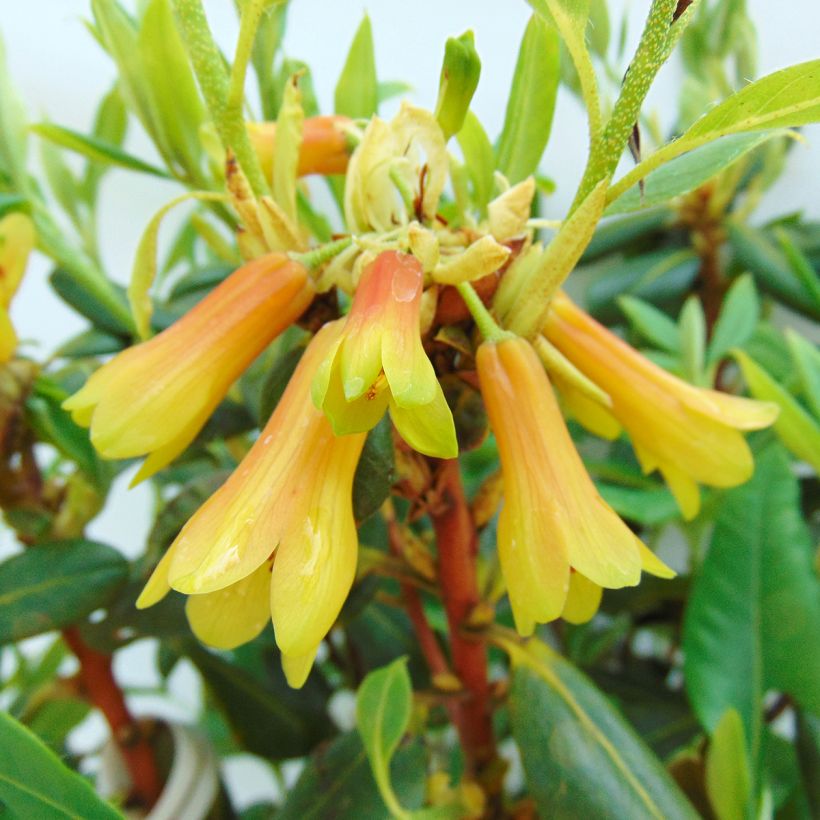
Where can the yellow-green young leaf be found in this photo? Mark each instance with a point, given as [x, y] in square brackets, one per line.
[286, 148]
[61, 180]
[570, 18]
[145, 262]
[728, 778]
[580, 757]
[457, 84]
[357, 91]
[479, 160]
[174, 94]
[737, 320]
[692, 330]
[12, 127]
[265, 47]
[651, 323]
[807, 361]
[383, 706]
[34, 782]
[120, 37]
[528, 120]
[110, 126]
[685, 173]
[785, 99]
[796, 428]
[94, 149]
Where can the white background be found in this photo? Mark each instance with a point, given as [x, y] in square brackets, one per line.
[61, 73]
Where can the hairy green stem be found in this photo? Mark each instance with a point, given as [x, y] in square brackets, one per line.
[217, 88]
[487, 326]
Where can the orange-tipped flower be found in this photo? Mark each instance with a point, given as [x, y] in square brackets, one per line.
[153, 399]
[690, 434]
[379, 362]
[325, 146]
[16, 243]
[557, 538]
[278, 539]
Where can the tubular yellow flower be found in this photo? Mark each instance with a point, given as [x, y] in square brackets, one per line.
[278, 539]
[16, 243]
[379, 362]
[553, 519]
[154, 398]
[325, 146]
[690, 434]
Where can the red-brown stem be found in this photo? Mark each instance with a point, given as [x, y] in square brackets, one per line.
[98, 682]
[457, 550]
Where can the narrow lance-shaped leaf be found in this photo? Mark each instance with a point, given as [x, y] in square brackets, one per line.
[796, 428]
[357, 89]
[383, 707]
[54, 585]
[807, 361]
[286, 148]
[171, 84]
[95, 149]
[651, 323]
[34, 782]
[738, 318]
[580, 756]
[145, 262]
[786, 99]
[531, 104]
[479, 159]
[754, 612]
[12, 128]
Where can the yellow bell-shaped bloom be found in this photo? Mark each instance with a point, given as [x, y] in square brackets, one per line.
[555, 532]
[153, 399]
[278, 539]
[689, 433]
[16, 243]
[380, 362]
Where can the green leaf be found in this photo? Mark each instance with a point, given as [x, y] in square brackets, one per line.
[12, 202]
[286, 148]
[110, 126]
[90, 342]
[54, 585]
[807, 362]
[728, 777]
[758, 254]
[479, 158]
[170, 80]
[649, 507]
[800, 265]
[808, 757]
[12, 128]
[357, 93]
[738, 318]
[685, 173]
[337, 782]
[144, 270]
[581, 758]
[754, 612]
[653, 324]
[618, 234]
[458, 81]
[795, 427]
[86, 302]
[531, 104]
[267, 720]
[383, 706]
[54, 425]
[35, 783]
[692, 330]
[785, 99]
[61, 181]
[375, 472]
[94, 149]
